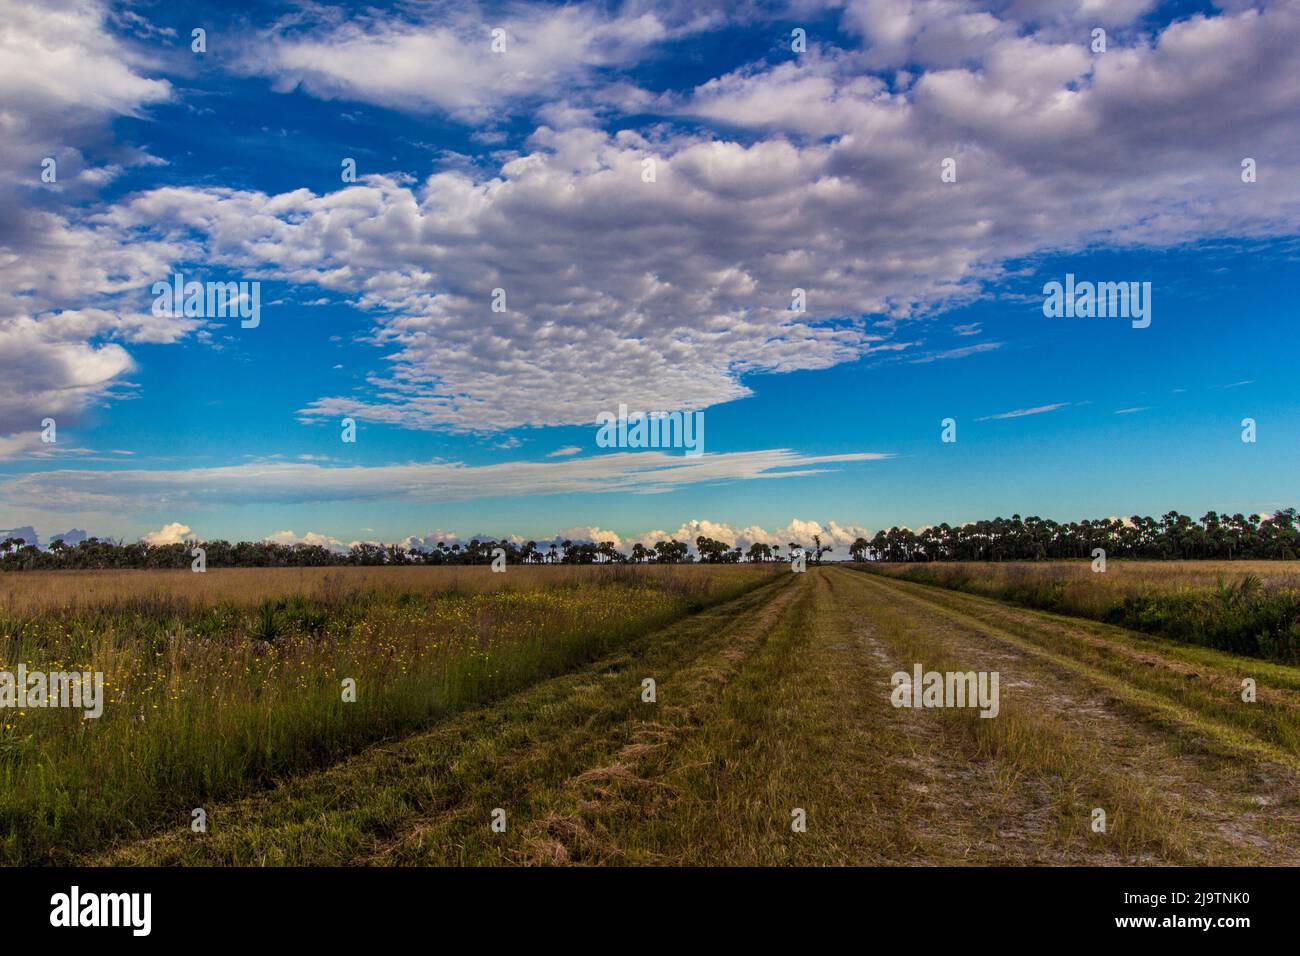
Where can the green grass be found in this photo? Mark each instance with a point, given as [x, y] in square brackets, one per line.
[1191, 689]
[549, 754]
[1026, 749]
[1239, 613]
[207, 702]
[776, 700]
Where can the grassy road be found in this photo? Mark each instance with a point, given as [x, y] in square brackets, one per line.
[780, 701]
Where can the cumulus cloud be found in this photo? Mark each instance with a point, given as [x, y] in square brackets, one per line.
[798, 530]
[665, 330]
[662, 294]
[63, 77]
[63, 74]
[589, 534]
[430, 541]
[48, 376]
[676, 289]
[310, 538]
[174, 533]
[941, 34]
[442, 58]
[27, 534]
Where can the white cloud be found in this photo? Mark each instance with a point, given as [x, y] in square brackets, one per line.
[564, 452]
[61, 70]
[47, 376]
[939, 34]
[20, 444]
[442, 60]
[957, 353]
[174, 533]
[673, 291]
[299, 481]
[310, 538]
[664, 294]
[1024, 412]
[590, 533]
[799, 530]
[429, 542]
[64, 76]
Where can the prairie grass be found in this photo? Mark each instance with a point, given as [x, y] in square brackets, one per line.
[244, 586]
[1244, 607]
[221, 683]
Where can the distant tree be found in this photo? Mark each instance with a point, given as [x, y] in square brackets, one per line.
[1172, 536]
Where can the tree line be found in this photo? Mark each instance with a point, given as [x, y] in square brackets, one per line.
[103, 554]
[1172, 536]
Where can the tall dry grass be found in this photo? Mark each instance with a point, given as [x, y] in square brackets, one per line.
[243, 586]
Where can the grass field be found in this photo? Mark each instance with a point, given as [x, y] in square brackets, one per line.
[1246, 607]
[38, 590]
[772, 697]
[217, 683]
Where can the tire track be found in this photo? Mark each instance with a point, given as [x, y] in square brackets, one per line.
[427, 798]
[1225, 807]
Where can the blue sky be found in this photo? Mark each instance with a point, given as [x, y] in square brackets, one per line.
[522, 170]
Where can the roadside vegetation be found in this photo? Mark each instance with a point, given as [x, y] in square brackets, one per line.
[1247, 608]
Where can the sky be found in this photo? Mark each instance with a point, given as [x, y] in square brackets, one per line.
[647, 185]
